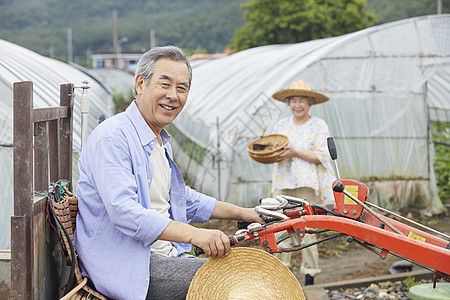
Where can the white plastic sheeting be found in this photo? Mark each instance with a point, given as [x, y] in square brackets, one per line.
[19, 64]
[384, 83]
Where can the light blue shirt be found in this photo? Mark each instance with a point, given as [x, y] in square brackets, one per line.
[115, 224]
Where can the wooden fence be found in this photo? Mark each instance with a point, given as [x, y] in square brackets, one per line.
[42, 154]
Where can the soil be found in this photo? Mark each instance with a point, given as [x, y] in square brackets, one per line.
[340, 260]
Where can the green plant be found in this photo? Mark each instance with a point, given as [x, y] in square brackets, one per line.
[441, 137]
[122, 101]
[194, 151]
[410, 281]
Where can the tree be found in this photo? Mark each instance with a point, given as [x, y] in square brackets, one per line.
[388, 10]
[294, 21]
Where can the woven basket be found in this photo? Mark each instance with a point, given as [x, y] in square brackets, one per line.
[267, 159]
[65, 211]
[269, 154]
[275, 141]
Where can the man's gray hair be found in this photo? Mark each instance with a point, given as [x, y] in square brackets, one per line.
[146, 63]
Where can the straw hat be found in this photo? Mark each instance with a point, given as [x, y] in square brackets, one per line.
[246, 273]
[300, 88]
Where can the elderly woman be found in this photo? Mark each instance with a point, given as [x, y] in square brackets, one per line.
[304, 169]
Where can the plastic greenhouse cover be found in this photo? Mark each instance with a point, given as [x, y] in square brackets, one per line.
[20, 64]
[384, 83]
[118, 81]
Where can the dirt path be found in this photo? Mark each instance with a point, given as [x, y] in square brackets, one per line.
[353, 262]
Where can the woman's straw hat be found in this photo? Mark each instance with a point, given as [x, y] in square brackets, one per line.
[246, 273]
[300, 88]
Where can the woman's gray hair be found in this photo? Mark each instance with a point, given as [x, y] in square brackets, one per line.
[146, 63]
[311, 100]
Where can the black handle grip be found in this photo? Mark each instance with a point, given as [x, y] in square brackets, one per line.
[332, 148]
[198, 251]
[243, 225]
[338, 187]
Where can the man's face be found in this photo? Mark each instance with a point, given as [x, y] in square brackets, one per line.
[165, 95]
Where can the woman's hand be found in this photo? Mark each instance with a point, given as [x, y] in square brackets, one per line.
[290, 152]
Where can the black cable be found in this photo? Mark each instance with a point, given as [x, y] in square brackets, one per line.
[293, 206]
[312, 244]
[371, 247]
[280, 239]
[314, 206]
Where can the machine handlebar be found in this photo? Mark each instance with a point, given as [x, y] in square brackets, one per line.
[198, 250]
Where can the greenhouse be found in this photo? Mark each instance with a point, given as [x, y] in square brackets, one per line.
[19, 64]
[119, 81]
[385, 84]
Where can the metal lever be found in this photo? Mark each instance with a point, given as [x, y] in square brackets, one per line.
[269, 213]
[295, 200]
[276, 203]
[333, 154]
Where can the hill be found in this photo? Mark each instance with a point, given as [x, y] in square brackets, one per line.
[202, 25]
[41, 25]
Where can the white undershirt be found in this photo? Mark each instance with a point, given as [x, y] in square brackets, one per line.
[159, 194]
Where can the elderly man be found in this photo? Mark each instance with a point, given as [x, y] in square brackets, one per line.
[132, 226]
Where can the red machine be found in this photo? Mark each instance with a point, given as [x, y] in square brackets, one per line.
[351, 215]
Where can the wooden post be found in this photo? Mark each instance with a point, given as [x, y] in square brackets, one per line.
[21, 222]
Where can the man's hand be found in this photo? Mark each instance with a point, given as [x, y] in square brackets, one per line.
[228, 211]
[249, 215]
[213, 242]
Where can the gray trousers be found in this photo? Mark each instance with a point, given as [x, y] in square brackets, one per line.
[171, 276]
